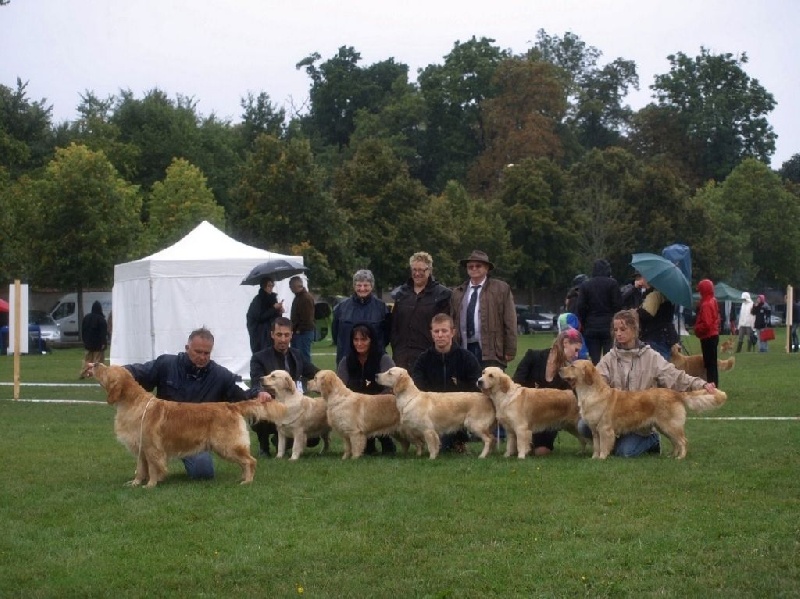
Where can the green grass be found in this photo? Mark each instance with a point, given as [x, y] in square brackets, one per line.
[723, 522]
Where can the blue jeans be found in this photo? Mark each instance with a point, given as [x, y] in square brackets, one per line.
[199, 466]
[628, 445]
[302, 343]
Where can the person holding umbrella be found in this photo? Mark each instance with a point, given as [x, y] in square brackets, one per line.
[263, 311]
[656, 327]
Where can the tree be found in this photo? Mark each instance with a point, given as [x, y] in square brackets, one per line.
[95, 214]
[381, 200]
[340, 88]
[179, 203]
[25, 130]
[520, 121]
[281, 203]
[453, 94]
[719, 110]
[790, 170]
[757, 194]
[261, 116]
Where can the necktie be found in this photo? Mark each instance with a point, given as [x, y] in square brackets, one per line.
[473, 301]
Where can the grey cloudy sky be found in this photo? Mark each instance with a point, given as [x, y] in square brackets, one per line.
[217, 51]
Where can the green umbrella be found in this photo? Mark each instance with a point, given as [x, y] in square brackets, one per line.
[664, 276]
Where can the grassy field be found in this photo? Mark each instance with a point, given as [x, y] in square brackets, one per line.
[724, 522]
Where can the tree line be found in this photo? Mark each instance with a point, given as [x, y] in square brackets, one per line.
[535, 158]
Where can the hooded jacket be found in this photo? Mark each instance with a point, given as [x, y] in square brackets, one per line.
[644, 368]
[707, 323]
[746, 316]
[94, 329]
[598, 300]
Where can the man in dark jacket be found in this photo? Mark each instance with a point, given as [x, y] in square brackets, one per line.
[599, 299]
[416, 302]
[446, 367]
[279, 356]
[192, 377]
[94, 330]
[302, 317]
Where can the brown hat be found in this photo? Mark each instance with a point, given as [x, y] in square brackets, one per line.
[477, 256]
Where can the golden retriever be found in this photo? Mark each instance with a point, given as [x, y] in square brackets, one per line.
[155, 430]
[693, 365]
[357, 416]
[523, 411]
[305, 416]
[430, 414]
[611, 412]
[727, 346]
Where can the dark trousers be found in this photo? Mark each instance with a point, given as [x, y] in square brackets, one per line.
[709, 349]
[597, 344]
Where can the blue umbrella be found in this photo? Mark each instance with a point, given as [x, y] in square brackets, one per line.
[665, 277]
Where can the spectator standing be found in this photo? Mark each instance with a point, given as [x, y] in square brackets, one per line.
[360, 308]
[746, 322]
[706, 327]
[484, 311]
[94, 330]
[302, 317]
[446, 368]
[599, 299]
[656, 324]
[762, 314]
[264, 308]
[794, 345]
[192, 377]
[571, 300]
[416, 302]
[357, 371]
[279, 356]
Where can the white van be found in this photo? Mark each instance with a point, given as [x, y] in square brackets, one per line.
[65, 312]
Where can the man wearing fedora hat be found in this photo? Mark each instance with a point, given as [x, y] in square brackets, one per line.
[483, 310]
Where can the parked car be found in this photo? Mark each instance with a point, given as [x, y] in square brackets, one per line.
[48, 328]
[540, 321]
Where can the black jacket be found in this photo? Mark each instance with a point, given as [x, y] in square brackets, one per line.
[457, 370]
[268, 360]
[260, 315]
[94, 329]
[598, 300]
[177, 379]
[411, 319]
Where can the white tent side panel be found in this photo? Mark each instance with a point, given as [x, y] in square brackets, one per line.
[157, 301]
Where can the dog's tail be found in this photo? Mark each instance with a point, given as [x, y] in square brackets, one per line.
[254, 410]
[702, 401]
[727, 364]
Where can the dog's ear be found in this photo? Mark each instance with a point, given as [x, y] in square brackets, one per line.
[328, 382]
[288, 383]
[504, 380]
[113, 380]
[402, 380]
[589, 372]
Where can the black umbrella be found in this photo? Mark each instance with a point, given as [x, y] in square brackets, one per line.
[276, 269]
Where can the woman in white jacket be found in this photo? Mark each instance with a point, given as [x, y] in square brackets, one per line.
[745, 324]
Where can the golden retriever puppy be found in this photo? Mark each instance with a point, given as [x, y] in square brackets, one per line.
[305, 416]
[693, 365]
[611, 412]
[155, 430]
[523, 411]
[430, 414]
[358, 416]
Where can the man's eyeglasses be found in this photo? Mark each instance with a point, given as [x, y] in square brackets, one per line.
[419, 271]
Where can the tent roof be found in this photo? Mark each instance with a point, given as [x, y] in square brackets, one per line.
[724, 293]
[205, 251]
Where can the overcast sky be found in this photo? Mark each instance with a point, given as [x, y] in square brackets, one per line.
[218, 51]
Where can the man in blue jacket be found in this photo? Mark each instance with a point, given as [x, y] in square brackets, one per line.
[193, 377]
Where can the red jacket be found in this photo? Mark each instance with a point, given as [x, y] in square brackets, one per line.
[707, 323]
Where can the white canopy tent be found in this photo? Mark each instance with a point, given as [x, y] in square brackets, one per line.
[158, 300]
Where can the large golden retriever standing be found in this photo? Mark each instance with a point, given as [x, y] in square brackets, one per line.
[431, 414]
[611, 412]
[523, 411]
[304, 417]
[358, 416]
[693, 365]
[155, 430]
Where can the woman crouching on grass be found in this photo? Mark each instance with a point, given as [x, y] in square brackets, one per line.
[634, 366]
[539, 368]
